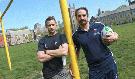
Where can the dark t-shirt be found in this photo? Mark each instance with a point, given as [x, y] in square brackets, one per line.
[91, 43]
[54, 65]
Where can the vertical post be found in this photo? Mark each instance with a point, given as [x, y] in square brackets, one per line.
[5, 44]
[68, 32]
[3, 33]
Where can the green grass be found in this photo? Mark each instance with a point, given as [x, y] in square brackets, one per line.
[24, 62]
[124, 50]
[26, 66]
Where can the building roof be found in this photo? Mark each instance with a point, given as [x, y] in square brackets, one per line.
[118, 10]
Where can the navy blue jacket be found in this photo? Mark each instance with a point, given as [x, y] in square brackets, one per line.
[90, 41]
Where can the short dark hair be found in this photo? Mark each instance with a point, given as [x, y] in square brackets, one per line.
[49, 18]
[81, 8]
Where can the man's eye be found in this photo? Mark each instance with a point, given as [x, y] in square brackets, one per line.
[79, 15]
[84, 15]
[51, 25]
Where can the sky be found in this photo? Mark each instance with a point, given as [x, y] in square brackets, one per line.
[29, 12]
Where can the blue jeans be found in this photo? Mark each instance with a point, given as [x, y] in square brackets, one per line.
[106, 69]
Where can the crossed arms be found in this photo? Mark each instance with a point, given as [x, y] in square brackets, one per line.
[47, 55]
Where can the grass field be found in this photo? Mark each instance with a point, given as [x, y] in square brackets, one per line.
[26, 66]
[124, 50]
[24, 62]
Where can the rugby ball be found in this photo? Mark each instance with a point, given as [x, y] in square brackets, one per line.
[105, 31]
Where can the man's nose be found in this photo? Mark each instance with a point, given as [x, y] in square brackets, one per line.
[82, 17]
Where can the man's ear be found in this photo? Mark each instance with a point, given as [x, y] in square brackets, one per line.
[45, 26]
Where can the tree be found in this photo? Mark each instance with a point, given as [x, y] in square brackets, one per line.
[129, 2]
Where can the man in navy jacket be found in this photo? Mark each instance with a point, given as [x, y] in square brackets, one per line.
[98, 56]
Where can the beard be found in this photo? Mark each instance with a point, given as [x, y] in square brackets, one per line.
[83, 22]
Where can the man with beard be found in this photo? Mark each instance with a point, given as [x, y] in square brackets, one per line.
[51, 49]
[98, 56]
